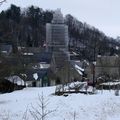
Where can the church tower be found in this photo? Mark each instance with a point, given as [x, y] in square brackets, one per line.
[57, 42]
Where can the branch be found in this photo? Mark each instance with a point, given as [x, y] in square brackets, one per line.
[41, 112]
[48, 112]
[34, 115]
[36, 111]
[2, 1]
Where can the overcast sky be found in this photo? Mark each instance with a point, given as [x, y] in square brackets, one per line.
[103, 14]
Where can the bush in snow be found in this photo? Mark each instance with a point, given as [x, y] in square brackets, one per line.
[117, 92]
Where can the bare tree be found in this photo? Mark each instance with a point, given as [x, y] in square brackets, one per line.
[41, 112]
[25, 115]
[117, 90]
[74, 115]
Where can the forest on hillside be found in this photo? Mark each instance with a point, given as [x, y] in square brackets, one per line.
[27, 27]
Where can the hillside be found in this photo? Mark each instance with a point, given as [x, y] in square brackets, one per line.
[101, 106]
[27, 28]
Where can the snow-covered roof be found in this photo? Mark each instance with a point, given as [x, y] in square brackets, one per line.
[85, 61]
[99, 56]
[76, 65]
[35, 76]
[110, 83]
[79, 72]
[77, 83]
[44, 65]
[28, 53]
[16, 80]
[41, 65]
[58, 17]
[79, 68]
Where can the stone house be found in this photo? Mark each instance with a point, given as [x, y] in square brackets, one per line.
[108, 66]
[105, 67]
[37, 78]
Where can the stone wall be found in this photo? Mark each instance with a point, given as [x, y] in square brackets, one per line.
[108, 65]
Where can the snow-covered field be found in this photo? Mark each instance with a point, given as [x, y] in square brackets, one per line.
[101, 106]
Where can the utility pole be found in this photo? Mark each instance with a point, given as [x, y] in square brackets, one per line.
[94, 60]
[93, 66]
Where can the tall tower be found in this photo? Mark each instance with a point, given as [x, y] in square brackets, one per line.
[57, 42]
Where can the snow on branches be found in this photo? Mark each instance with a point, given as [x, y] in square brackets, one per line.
[2, 1]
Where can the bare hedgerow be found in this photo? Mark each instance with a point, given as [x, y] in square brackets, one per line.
[4, 115]
[73, 115]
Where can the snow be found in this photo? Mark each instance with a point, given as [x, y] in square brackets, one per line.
[4, 51]
[35, 76]
[99, 56]
[74, 53]
[111, 83]
[86, 62]
[41, 65]
[74, 84]
[79, 68]
[44, 65]
[94, 63]
[101, 106]
[81, 86]
[79, 72]
[117, 48]
[16, 80]
[28, 53]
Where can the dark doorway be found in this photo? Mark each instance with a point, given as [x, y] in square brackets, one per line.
[34, 84]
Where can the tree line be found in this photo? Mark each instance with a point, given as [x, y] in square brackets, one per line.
[26, 27]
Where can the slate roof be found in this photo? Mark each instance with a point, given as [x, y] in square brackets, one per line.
[16, 80]
[77, 66]
[38, 57]
[43, 57]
